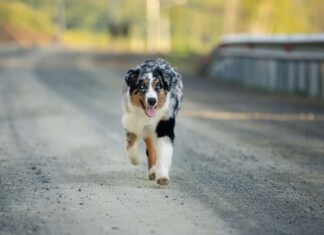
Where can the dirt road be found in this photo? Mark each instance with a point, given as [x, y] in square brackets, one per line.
[244, 163]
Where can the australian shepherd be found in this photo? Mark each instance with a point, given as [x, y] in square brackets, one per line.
[152, 97]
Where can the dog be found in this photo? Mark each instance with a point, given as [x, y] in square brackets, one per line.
[152, 98]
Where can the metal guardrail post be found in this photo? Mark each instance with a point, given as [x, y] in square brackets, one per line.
[291, 77]
[314, 80]
[322, 80]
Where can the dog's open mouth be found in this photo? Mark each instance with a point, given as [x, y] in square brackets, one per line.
[150, 111]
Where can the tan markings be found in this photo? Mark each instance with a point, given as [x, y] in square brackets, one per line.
[151, 151]
[161, 98]
[146, 82]
[131, 138]
[161, 95]
[155, 82]
[137, 98]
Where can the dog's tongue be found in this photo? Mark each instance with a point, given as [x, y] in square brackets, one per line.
[150, 111]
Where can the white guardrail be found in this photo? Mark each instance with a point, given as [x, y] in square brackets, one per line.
[292, 64]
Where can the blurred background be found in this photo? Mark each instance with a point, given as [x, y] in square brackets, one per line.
[249, 153]
[176, 26]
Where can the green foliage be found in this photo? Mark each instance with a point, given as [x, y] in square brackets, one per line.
[195, 25]
[85, 14]
[21, 16]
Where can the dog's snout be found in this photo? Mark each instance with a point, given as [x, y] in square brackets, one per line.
[151, 101]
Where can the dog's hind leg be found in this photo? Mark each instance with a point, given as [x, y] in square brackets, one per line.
[165, 139]
[132, 148]
[151, 156]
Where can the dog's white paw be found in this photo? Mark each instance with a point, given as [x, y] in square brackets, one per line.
[152, 173]
[152, 176]
[163, 181]
[162, 175]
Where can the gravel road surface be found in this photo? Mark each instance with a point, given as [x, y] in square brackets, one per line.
[244, 163]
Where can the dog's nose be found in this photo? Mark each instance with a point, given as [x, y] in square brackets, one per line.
[151, 101]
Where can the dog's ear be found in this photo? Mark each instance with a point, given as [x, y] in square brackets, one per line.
[166, 76]
[132, 76]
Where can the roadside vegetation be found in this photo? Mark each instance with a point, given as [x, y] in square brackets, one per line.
[24, 25]
[187, 26]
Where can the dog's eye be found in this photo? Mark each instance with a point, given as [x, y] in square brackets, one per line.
[157, 87]
[142, 87]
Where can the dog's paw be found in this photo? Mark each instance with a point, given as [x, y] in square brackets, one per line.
[133, 159]
[152, 176]
[152, 173]
[163, 181]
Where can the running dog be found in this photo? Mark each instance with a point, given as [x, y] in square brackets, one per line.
[152, 97]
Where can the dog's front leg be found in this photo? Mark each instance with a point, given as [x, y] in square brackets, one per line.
[151, 156]
[132, 148]
[165, 134]
[164, 160]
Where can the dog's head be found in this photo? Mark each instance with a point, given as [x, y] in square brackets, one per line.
[149, 84]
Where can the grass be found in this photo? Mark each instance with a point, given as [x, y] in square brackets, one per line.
[21, 16]
[27, 26]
